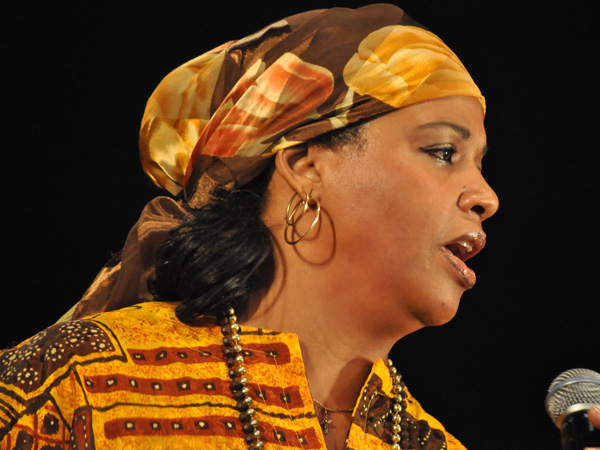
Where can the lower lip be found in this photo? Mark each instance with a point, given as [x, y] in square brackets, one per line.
[467, 274]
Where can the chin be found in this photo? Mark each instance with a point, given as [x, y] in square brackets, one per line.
[443, 313]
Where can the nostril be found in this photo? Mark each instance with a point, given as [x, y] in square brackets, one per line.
[480, 210]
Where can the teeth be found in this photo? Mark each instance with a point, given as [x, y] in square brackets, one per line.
[461, 247]
[467, 247]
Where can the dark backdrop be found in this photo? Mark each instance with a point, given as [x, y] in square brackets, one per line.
[76, 79]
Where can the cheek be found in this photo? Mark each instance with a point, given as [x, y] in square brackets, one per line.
[390, 212]
[345, 189]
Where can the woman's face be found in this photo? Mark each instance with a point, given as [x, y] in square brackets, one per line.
[408, 211]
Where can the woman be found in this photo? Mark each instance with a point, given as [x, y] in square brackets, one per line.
[329, 185]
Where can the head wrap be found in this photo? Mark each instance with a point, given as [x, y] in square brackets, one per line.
[217, 119]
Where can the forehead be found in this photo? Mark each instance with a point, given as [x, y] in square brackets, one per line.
[462, 116]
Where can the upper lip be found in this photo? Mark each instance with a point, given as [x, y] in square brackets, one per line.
[467, 245]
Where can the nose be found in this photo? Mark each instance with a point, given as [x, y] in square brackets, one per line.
[479, 198]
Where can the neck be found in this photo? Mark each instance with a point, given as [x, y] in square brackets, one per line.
[338, 352]
[336, 370]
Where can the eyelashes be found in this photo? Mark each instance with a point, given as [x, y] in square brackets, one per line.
[446, 153]
[443, 153]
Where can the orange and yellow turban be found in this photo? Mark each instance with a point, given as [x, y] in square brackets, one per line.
[219, 117]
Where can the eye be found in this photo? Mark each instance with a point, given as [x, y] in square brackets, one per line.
[441, 152]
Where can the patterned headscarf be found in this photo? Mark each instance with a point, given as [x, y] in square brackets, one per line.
[219, 118]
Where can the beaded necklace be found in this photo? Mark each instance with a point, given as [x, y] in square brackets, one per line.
[241, 393]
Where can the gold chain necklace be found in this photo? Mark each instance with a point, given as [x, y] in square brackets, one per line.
[326, 421]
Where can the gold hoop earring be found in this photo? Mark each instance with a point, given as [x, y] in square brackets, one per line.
[290, 216]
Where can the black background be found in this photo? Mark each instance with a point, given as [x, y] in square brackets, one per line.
[76, 79]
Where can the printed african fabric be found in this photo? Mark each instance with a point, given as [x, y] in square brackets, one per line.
[137, 378]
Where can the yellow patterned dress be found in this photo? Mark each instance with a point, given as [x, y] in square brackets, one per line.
[137, 378]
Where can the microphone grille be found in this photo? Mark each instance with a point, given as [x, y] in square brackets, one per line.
[572, 387]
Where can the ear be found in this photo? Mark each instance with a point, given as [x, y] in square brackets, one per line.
[297, 167]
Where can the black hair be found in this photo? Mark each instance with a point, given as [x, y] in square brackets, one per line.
[211, 262]
[351, 136]
[225, 252]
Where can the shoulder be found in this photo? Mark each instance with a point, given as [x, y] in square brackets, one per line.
[29, 365]
[101, 338]
[48, 381]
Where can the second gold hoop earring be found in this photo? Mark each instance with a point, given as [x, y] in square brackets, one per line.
[302, 207]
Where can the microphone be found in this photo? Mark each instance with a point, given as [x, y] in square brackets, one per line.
[569, 398]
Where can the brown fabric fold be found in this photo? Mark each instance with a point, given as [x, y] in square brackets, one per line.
[123, 280]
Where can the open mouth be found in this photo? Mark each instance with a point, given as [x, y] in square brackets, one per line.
[460, 250]
[468, 245]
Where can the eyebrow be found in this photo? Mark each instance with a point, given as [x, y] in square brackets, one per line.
[462, 131]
